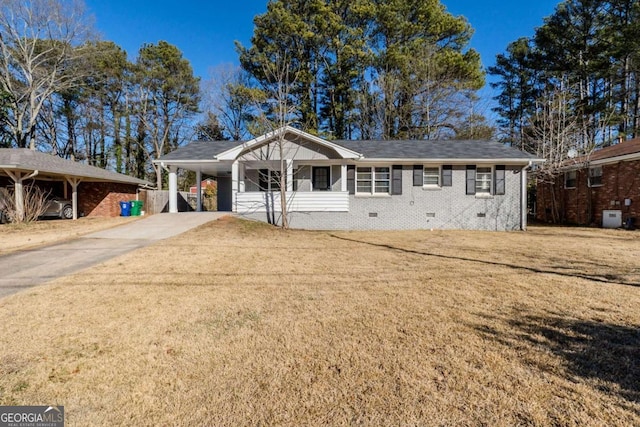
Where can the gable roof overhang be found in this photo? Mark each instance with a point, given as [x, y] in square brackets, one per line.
[284, 132]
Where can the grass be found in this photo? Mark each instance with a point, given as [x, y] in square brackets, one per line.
[21, 236]
[237, 323]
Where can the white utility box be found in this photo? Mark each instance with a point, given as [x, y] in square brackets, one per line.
[611, 219]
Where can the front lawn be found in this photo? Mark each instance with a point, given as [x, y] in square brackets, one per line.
[237, 323]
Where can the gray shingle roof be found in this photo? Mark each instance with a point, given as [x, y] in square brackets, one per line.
[201, 150]
[29, 160]
[444, 150]
[376, 149]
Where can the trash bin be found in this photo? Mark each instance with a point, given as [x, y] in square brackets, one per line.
[629, 223]
[125, 209]
[136, 207]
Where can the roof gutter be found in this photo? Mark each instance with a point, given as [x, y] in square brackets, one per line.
[526, 162]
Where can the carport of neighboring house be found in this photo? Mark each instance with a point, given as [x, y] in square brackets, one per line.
[20, 166]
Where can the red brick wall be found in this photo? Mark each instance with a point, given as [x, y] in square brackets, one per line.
[620, 181]
[103, 198]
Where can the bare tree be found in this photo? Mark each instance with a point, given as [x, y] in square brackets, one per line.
[38, 47]
[557, 136]
[232, 98]
[277, 111]
[34, 201]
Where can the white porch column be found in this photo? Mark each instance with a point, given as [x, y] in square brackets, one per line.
[235, 185]
[74, 182]
[289, 167]
[173, 189]
[343, 178]
[198, 191]
[524, 202]
[241, 177]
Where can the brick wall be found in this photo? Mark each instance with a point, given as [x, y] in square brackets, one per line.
[103, 198]
[422, 208]
[584, 205]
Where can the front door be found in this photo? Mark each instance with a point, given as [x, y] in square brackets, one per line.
[225, 194]
[321, 178]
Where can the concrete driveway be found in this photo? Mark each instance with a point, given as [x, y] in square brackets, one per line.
[25, 269]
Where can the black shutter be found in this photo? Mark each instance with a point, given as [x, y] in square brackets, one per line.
[351, 179]
[447, 176]
[471, 179]
[499, 180]
[418, 171]
[263, 179]
[396, 177]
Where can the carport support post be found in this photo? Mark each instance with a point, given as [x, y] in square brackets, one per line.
[18, 193]
[74, 182]
[198, 191]
[173, 189]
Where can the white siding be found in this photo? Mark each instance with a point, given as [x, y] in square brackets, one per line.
[320, 201]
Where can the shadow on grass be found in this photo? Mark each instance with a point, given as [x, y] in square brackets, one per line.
[602, 278]
[607, 353]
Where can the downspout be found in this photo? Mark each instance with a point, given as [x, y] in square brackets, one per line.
[523, 197]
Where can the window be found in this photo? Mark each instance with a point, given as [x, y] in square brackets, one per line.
[483, 180]
[595, 176]
[570, 179]
[321, 178]
[375, 180]
[269, 180]
[431, 176]
[275, 181]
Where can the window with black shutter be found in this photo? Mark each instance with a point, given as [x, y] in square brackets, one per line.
[396, 185]
[417, 175]
[500, 180]
[447, 176]
[471, 179]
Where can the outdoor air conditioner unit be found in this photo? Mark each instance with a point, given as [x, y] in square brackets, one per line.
[611, 219]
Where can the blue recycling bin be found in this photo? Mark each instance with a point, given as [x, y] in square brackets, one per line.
[125, 209]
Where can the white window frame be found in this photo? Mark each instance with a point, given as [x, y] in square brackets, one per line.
[591, 175]
[373, 180]
[479, 191]
[438, 176]
[575, 179]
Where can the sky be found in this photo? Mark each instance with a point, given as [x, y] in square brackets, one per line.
[205, 31]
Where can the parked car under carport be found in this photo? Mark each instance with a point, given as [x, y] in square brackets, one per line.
[58, 207]
[55, 207]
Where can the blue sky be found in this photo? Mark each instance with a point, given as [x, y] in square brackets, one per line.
[205, 31]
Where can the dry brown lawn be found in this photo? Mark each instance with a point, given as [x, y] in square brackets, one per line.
[15, 237]
[237, 323]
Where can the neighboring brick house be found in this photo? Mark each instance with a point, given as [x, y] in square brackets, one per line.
[363, 184]
[92, 190]
[205, 184]
[598, 190]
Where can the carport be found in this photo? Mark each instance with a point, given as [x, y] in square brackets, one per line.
[21, 164]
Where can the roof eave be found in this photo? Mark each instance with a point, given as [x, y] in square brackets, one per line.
[84, 178]
[622, 158]
[453, 161]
